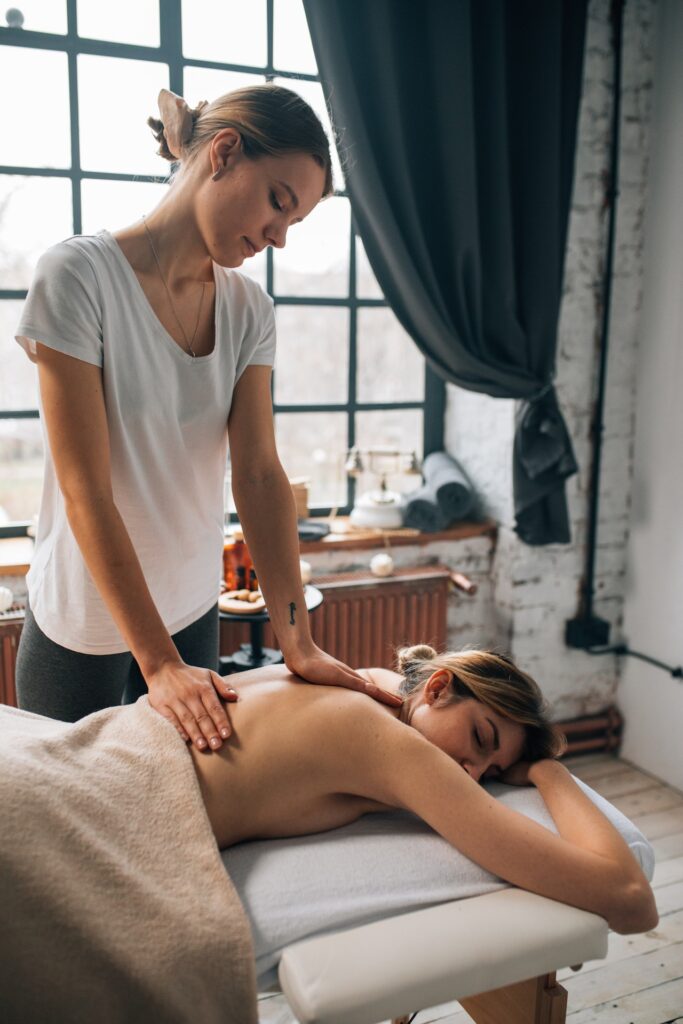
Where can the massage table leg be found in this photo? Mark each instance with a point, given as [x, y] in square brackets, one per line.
[536, 1001]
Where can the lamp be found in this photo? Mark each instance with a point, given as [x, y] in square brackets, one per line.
[380, 508]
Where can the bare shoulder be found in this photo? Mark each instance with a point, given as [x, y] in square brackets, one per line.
[366, 747]
[383, 677]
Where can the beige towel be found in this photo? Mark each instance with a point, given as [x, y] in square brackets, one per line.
[115, 907]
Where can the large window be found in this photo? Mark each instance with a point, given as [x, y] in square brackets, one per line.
[76, 156]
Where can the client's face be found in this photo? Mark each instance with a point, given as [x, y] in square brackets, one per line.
[483, 742]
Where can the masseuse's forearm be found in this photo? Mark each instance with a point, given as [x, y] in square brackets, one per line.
[111, 560]
[267, 512]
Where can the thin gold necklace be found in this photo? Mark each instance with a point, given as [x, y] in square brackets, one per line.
[175, 313]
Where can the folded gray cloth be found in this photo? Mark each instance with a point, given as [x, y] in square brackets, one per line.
[445, 497]
[421, 512]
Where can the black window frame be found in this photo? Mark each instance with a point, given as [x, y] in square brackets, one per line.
[169, 52]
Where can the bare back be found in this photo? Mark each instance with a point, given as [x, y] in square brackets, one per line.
[280, 774]
[306, 758]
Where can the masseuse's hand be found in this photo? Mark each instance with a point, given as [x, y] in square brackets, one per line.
[187, 697]
[315, 666]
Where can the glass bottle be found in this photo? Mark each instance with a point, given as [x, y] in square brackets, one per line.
[229, 575]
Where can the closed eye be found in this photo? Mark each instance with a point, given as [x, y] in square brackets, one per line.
[493, 771]
[274, 203]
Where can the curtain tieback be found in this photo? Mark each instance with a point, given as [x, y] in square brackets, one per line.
[542, 392]
[543, 443]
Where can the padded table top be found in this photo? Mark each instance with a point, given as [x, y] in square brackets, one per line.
[450, 951]
[374, 869]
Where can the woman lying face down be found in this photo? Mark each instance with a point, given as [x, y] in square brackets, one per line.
[477, 707]
[305, 759]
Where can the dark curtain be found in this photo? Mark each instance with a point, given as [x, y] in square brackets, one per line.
[458, 120]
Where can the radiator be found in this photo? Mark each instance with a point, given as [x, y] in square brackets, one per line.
[363, 618]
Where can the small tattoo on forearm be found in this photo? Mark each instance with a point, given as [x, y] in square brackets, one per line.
[292, 609]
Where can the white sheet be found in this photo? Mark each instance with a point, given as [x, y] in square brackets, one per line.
[381, 865]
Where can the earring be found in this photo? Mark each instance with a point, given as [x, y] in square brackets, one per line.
[216, 175]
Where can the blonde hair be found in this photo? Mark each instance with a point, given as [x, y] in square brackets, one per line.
[271, 121]
[492, 679]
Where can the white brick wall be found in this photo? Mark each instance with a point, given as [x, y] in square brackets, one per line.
[470, 619]
[17, 584]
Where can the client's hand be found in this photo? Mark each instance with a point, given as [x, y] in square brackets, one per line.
[315, 666]
[187, 696]
[522, 772]
[516, 775]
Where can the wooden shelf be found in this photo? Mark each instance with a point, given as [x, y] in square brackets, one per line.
[16, 552]
[363, 539]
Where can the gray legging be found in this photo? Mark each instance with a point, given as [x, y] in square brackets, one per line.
[66, 685]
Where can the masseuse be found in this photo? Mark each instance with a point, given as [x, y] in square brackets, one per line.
[152, 354]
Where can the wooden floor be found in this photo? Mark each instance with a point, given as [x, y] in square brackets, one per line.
[641, 979]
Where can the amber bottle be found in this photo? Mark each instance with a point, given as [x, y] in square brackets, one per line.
[229, 576]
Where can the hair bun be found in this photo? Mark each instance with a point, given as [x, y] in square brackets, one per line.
[157, 127]
[176, 126]
[420, 652]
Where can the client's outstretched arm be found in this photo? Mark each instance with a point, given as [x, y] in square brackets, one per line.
[588, 865]
[580, 822]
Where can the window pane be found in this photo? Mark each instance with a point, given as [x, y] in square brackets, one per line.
[23, 236]
[126, 21]
[314, 445]
[392, 428]
[231, 32]
[18, 375]
[366, 282]
[40, 16]
[315, 260]
[21, 469]
[210, 83]
[390, 366]
[312, 345]
[117, 204]
[114, 132]
[292, 50]
[312, 92]
[23, 141]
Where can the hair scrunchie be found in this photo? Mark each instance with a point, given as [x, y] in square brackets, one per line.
[175, 128]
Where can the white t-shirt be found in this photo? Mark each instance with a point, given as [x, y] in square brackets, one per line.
[167, 414]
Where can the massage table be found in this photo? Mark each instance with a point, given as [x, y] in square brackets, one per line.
[382, 918]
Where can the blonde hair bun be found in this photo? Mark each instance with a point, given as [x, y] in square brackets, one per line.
[271, 121]
[407, 655]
